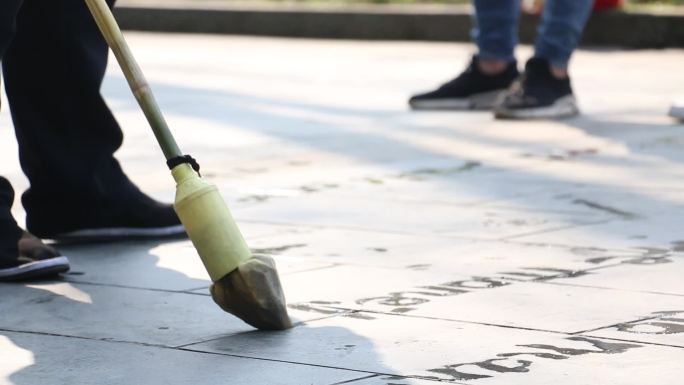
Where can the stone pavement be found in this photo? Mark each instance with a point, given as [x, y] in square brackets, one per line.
[414, 248]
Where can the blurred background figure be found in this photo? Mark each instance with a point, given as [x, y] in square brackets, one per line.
[492, 80]
[677, 110]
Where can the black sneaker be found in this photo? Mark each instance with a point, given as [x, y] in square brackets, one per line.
[30, 258]
[537, 94]
[471, 90]
[128, 216]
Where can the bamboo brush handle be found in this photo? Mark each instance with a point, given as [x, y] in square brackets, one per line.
[136, 80]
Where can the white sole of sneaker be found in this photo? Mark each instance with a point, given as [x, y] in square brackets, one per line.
[121, 233]
[483, 101]
[564, 107]
[677, 111]
[37, 269]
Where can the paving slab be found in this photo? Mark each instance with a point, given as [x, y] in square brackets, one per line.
[662, 327]
[615, 234]
[444, 253]
[624, 205]
[661, 274]
[118, 313]
[172, 266]
[465, 353]
[567, 309]
[422, 218]
[494, 300]
[27, 359]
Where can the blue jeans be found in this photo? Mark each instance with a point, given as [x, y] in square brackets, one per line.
[562, 22]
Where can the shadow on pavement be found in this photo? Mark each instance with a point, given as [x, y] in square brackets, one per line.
[121, 318]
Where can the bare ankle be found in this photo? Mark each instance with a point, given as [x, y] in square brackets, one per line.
[492, 66]
[558, 72]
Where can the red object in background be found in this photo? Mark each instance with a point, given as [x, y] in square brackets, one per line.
[601, 5]
[535, 7]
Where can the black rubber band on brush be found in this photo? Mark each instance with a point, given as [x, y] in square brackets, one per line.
[173, 162]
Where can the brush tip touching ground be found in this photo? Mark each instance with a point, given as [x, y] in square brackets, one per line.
[253, 293]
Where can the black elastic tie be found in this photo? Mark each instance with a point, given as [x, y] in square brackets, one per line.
[173, 162]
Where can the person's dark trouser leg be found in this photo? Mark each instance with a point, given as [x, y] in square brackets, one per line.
[9, 232]
[67, 135]
[8, 12]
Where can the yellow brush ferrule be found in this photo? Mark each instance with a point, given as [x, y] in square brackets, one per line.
[209, 224]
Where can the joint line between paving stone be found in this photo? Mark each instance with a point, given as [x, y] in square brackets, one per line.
[128, 287]
[290, 362]
[556, 245]
[521, 327]
[525, 328]
[617, 324]
[316, 269]
[100, 339]
[443, 319]
[400, 378]
[362, 229]
[610, 288]
[509, 238]
[195, 293]
[440, 235]
[195, 289]
[356, 380]
[294, 325]
[635, 342]
[559, 228]
[48, 334]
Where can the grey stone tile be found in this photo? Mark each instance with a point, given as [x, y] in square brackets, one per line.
[636, 233]
[101, 312]
[351, 287]
[540, 306]
[413, 218]
[433, 180]
[515, 261]
[632, 204]
[658, 273]
[27, 359]
[363, 248]
[165, 266]
[443, 350]
[472, 298]
[662, 327]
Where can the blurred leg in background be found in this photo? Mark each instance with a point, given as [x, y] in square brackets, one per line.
[677, 110]
[491, 71]
[560, 31]
[495, 31]
[545, 91]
